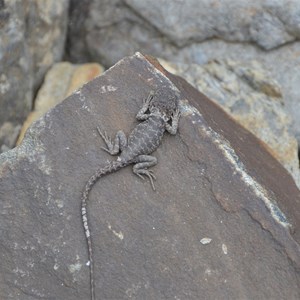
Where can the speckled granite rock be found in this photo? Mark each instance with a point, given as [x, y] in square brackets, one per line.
[32, 38]
[171, 25]
[222, 224]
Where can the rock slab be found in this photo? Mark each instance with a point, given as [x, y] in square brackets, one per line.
[223, 222]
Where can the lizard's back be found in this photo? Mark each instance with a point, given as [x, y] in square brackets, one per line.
[144, 138]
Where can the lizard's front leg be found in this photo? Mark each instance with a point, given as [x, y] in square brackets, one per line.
[172, 129]
[115, 147]
[141, 115]
[142, 163]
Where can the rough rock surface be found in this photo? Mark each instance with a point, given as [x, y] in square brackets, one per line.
[32, 38]
[15, 65]
[60, 82]
[283, 64]
[249, 94]
[194, 31]
[214, 229]
[8, 136]
[268, 24]
[46, 31]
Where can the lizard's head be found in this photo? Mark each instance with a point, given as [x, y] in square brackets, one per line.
[164, 103]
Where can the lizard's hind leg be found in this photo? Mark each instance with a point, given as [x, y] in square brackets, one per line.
[142, 163]
[115, 147]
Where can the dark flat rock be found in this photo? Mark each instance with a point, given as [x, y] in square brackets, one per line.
[223, 222]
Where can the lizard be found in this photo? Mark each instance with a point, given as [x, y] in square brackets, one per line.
[159, 113]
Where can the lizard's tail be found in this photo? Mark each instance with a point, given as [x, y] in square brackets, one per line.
[110, 168]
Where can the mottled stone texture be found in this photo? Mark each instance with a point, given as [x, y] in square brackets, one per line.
[152, 25]
[32, 38]
[215, 180]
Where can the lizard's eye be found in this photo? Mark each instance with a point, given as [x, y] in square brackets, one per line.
[165, 118]
[154, 110]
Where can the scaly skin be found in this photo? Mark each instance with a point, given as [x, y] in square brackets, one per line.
[158, 111]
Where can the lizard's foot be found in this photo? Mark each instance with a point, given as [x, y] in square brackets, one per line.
[142, 115]
[148, 100]
[176, 114]
[149, 173]
[106, 139]
[143, 162]
[113, 148]
[172, 129]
